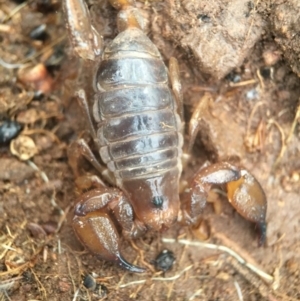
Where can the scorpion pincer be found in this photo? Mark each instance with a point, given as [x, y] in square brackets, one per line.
[137, 126]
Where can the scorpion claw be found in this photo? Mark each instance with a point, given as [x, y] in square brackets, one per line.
[248, 198]
[97, 232]
[262, 231]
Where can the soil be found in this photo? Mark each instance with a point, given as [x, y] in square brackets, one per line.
[251, 117]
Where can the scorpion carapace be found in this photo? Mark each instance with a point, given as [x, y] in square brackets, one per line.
[138, 111]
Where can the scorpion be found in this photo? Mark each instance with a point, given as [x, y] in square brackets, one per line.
[137, 127]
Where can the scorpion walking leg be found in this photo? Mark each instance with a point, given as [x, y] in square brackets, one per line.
[177, 91]
[83, 103]
[176, 85]
[88, 181]
[244, 193]
[86, 41]
[194, 124]
[94, 227]
[80, 148]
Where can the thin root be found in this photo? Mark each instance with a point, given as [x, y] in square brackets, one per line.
[285, 141]
[244, 83]
[283, 145]
[239, 291]
[15, 11]
[142, 258]
[42, 288]
[263, 275]
[46, 180]
[175, 277]
[261, 80]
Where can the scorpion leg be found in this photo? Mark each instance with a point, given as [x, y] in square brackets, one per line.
[86, 41]
[80, 148]
[88, 181]
[177, 91]
[194, 124]
[84, 105]
[244, 193]
[176, 85]
[95, 228]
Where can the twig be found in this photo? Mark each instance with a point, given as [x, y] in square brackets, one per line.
[197, 293]
[46, 180]
[62, 219]
[268, 278]
[26, 61]
[9, 242]
[6, 295]
[16, 270]
[42, 131]
[292, 129]
[179, 264]
[262, 287]
[40, 284]
[285, 141]
[238, 290]
[50, 46]
[244, 83]
[71, 275]
[11, 65]
[256, 106]
[141, 254]
[14, 11]
[158, 278]
[133, 283]
[260, 79]
[8, 284]
[4, 28]
[75, 295]
[283, 146]
[174, 277]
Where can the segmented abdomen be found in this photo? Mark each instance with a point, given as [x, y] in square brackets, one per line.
[138, 127]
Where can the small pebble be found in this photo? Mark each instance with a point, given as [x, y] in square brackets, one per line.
[164, 261]
[89, 282]
[39, 33]
[37, 77]
[9, 129]
[101, 291]
[36, 230]
[23, 147]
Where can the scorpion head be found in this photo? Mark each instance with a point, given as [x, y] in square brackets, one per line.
[155, 200]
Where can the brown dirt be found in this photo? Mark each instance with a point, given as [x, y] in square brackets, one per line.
[251, 118]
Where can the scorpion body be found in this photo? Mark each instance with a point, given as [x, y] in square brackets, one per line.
[139, 130]
[138, 111]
